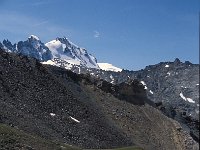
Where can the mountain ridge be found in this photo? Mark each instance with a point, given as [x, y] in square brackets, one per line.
[60, 48]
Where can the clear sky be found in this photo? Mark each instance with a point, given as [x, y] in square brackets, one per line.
[129, 34]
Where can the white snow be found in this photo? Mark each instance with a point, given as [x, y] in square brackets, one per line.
[190, 100]
[143, 83]
[197, 84]
[168, 73]
[186, 99]
[52, 114]
[68, 66]
[79, 70]
[34, 37]
[109, 67]
[151, 91]
[166, 66]
[183, 97]
[49, 62]
[148, 76]
[111, 77]
[184, 87]
[74, 119]
[57, 50]
[73, 54]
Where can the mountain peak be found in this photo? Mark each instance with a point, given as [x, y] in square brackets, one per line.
[67, 42]
[64, 49]
[33, 37]
[60, 48]
[177, 61]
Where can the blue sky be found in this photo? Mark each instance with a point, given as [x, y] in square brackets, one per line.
[130, 34]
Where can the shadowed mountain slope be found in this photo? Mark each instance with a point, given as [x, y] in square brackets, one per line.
[59, 105]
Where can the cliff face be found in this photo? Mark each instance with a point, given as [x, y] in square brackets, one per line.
[59, 105]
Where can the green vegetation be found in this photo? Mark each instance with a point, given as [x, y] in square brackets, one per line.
[125, 148]
[129, 148]
[12, 138]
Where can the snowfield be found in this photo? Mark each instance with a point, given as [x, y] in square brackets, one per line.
[109, 67]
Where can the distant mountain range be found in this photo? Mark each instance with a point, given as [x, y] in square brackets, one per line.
[59, 50]
[173, 87]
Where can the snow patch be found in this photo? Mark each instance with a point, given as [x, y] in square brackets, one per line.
[49, 62]
[34, 37]
[109, 67]
[197, 84]
[190, 100]
[143, 83]
[151, 91]
[52, 114]
[166, 66]
[186, 99]
[111, 77]
[74, 119]
[184, 87]
[168, 73]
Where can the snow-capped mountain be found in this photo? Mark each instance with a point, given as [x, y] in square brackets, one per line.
[109, 67]
[63, 49]
[33, 47]
[7, 45]
[57, 51]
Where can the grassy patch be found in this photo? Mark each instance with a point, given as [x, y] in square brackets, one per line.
[129, 148]
[125, 148]
[12, 138]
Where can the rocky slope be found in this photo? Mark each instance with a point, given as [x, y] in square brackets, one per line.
[80, 110]
[32, 100]
[173, 86]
